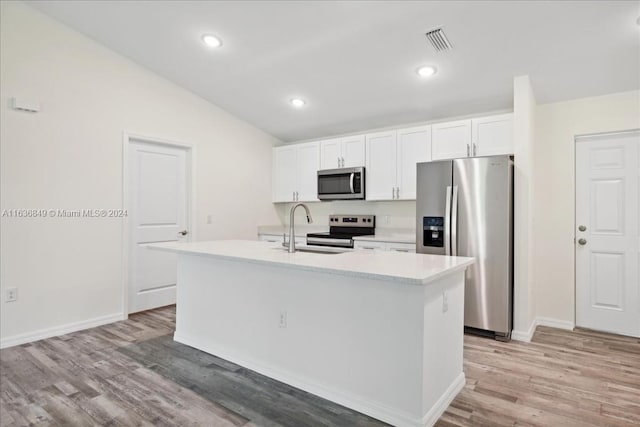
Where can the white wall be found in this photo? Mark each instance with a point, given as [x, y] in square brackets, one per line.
[524, 117]
[396, 214]
[69, 156]
[554, 205]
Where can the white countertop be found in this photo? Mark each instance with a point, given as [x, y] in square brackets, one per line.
[410, 268]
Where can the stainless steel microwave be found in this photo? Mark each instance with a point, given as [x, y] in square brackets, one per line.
[341, 184]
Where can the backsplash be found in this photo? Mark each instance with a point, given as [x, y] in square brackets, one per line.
[392, 214]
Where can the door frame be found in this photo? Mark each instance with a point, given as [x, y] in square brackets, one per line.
[576, 140]
[190, 152]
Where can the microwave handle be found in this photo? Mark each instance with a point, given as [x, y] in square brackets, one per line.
[351, 182]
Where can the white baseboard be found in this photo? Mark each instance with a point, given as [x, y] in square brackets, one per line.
[445, 400]
[555, 323]
[60, 330]
[525, 336]
[374, 409]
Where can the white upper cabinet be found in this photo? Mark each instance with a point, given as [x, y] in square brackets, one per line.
[451, 140]
[295, 170]
[342, 152]
[486, 136]
[284, 173]
[391, 162]
[413, 147]
[390, 157]
[380, 183]
[353, 150]
[330, 154]
[307, 162]
[492, 136]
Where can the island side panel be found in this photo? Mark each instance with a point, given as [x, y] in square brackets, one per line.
[352, 340]
[443, 375]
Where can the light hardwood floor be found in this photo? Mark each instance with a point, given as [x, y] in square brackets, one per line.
[132, 373]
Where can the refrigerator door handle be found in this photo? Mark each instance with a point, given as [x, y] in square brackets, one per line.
[447, 222]
[454, 221]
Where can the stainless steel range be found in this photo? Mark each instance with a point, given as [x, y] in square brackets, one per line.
[342, 230]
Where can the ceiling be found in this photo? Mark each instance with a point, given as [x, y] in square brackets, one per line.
[354, 62]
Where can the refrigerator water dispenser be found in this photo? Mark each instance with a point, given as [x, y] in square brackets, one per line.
[433, 231]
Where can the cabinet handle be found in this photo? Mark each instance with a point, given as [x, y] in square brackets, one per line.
[367, 247]
[397, 193]
[393, 193]
[297, 196]
[467, 150]
[342, 161]
[400, 250]
[339, 162]
[475, 146]
[293, 196]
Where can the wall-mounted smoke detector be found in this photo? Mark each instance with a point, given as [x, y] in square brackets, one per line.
[438, 40]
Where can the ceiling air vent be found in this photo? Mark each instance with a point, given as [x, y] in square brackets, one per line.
[438, 40]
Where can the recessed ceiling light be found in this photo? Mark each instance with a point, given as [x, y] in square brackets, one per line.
[426, 71]
[211, 40]
[297, 102]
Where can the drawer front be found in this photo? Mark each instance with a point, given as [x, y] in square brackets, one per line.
[370, 246]
[401, 247]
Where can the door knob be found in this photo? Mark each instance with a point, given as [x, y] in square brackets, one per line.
[582, 241]
[582, 228]
[183, 232]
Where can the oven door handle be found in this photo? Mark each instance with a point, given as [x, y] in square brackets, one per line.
[326, 241]
[351, 182]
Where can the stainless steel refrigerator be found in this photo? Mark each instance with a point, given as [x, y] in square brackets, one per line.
[465, 207]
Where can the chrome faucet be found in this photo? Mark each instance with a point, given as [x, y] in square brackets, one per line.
[292, 234]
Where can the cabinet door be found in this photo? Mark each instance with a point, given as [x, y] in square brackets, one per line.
[381, 166]
[414, 146]
[353, 149]
[451, 140]
[276, 239]
[493, 135]
[284, 173]
[330, 154]
[307, 164]
[401, 247]
[369, 246]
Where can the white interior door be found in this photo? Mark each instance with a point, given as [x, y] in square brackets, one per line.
[159, 212]
[607, 234]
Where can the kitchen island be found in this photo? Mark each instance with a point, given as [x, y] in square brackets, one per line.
[381, 332]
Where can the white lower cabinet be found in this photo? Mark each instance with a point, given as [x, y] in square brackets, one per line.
[384, 246]
[370, 246]
[278, 239]
[401, 247]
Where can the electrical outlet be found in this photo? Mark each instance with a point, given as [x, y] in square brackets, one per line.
[283, 319]
[387, 219]
[10, 294]
[209, 219]
[445, 302]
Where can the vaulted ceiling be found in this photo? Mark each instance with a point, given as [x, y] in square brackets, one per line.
[354, 62]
